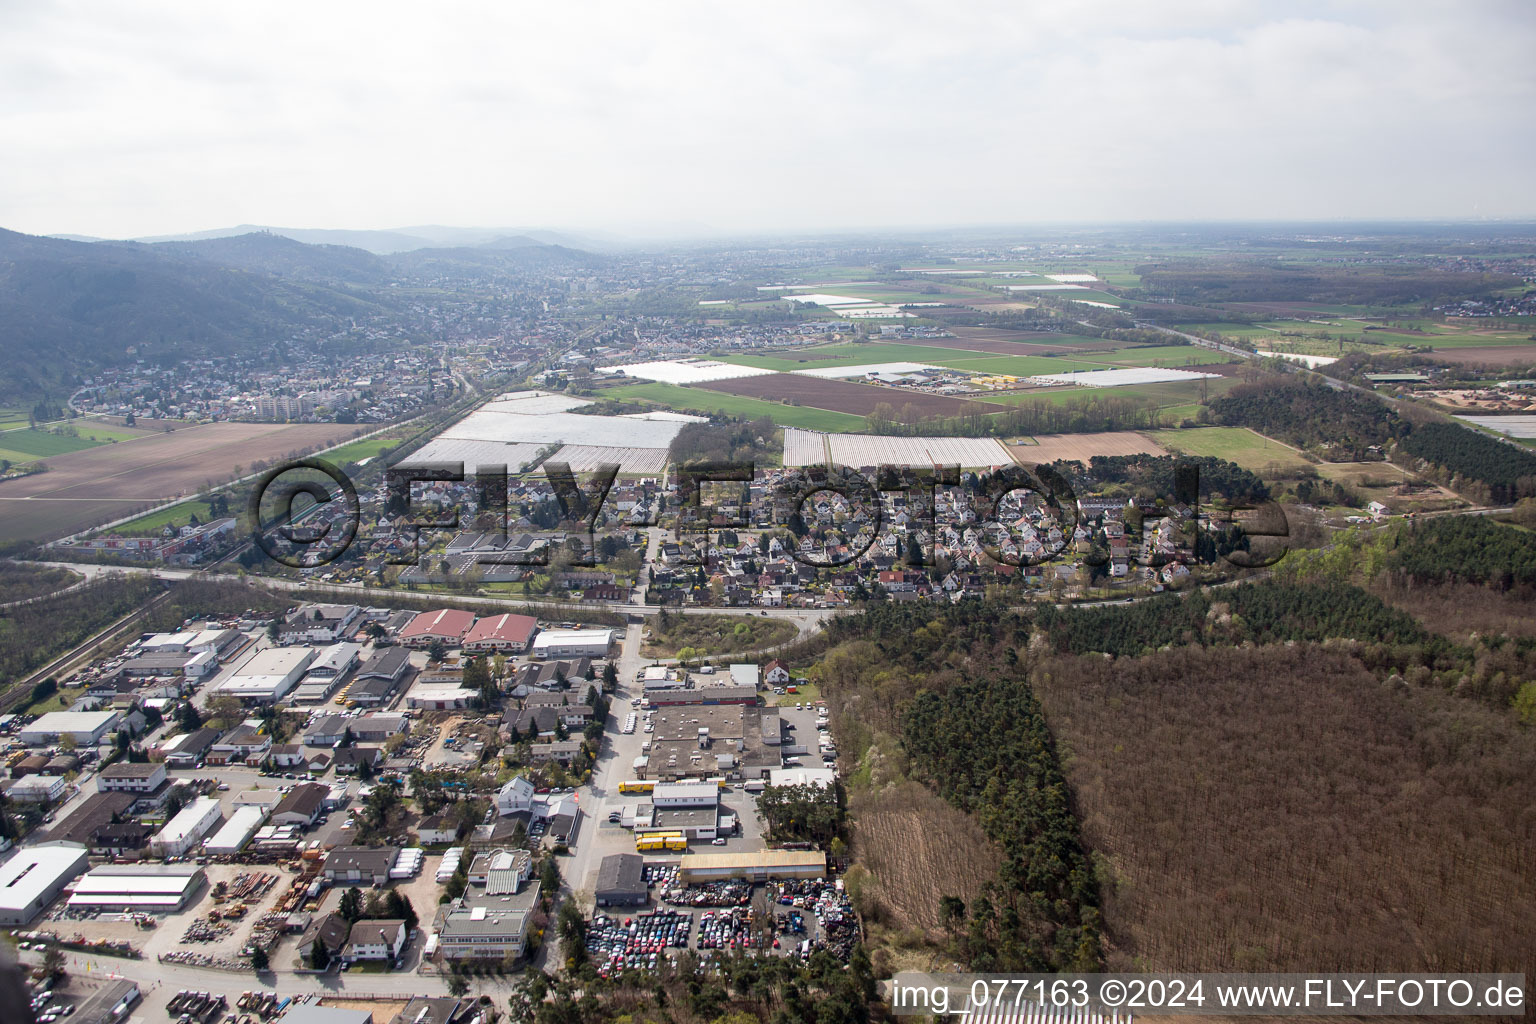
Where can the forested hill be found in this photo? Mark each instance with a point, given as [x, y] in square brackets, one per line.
[267, 253]
[71, 307]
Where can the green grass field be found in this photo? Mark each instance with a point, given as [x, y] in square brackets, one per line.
[1160, 355]
[177, 515]
[39, 444]
[701, 400]
[94, 431]
[1251, 450]
[357, 451]
[1021, 366]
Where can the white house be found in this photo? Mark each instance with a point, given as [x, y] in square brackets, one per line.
[374, 940]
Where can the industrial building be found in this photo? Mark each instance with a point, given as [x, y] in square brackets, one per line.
[621, 881]
[314, 1013]
[757, 866]
[319, 623]
[269, 675]
[705, 741]
[237, 831]
[573, 643]
[31, 879]
[720, 693]
[447, 625]
[87, 728]
[483, 933]
[685, 794]
[151, 888]
[182, 833]
[508, 633]
[327, 671]
[802, 777]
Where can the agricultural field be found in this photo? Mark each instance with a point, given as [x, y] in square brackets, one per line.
[683, 371]
[846, 396]
[971, 336]
[1493, 355]
[804, 448]
[1249, 449]
[1161, 355]
[1082, 447]
[27, 445]
[1028, 344]
[105, 482]
[699, 400]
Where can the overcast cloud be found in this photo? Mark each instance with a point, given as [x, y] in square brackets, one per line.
[153, 117]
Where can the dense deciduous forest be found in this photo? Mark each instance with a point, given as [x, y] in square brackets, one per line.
[1280, 808]
[1345, 425]
[32, 634]
[1152, 476]
[746, 990]
[1304, 740]
[1507, 471]
[940, 696]
[1351, 426]
[1266, 612]
[1205, 281]
[724, 441]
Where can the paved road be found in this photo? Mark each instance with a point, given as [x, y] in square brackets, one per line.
[806, 619]
[160, 981]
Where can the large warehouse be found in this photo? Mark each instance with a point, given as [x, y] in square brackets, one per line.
[269, 675]
[759, 866]
[572, 643]
[447, 625]
[507, 632]
[34, 876]
[621, 881]
[152, 888]
[87, 728]
[183, 832]
[237, 831]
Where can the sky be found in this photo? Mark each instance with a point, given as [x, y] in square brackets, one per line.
[121, 120]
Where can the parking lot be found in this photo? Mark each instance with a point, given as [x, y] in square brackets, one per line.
[787, 918]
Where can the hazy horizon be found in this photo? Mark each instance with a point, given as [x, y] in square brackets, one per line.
[699, 121]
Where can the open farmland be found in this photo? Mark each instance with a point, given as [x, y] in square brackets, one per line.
[84, 488]
[683, 371]
[1082, 447]
[1117, 378]
[805, 448]
[1492, 355]
[700, 400]
[1039, 344]
[585, 458]
[971, 336]
[1249, 449]
[846, 396]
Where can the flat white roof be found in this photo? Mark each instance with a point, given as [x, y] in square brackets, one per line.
[277, 661]
[188, 820]
[71, 721]
[242, 822]
[690, 790]
[801, 776]
[574, 636]
[36, 869]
